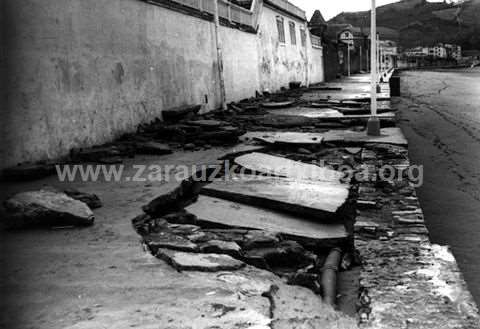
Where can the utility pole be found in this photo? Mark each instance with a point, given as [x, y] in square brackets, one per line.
[373, 124]
[219, 58]
[360, 57]
[379, 71]
[348, 58]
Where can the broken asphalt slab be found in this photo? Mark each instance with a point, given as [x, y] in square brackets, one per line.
[45, 208]
[278, 166]
[272, 137]
[153, 148]
[302, 197]
[234, 214]
[392, 135]
[308, 112]
[178, 113]
[184, 261]
[275, 105]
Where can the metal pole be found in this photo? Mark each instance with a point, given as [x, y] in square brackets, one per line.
[379, 71]
[360, 57]
[219, 58]
[367, 61]
[348, 58]
[373, 124]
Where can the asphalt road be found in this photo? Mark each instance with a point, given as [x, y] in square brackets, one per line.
[440, 115]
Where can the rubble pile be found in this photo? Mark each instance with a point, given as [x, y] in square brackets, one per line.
[189, 220]
[401, 270]
[299, 109]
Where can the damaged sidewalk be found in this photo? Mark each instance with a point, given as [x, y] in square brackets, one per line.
[269, 244]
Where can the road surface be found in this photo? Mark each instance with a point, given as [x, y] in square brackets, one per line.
[440, 115]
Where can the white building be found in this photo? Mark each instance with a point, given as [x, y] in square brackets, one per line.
[454, 51]
[415, 52]
[437, 51]
[388, 54]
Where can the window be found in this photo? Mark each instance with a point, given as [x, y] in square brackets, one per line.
[293, 35]
[303, 36]
[281, 29]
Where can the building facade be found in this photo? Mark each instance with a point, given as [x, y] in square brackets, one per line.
[388, 54]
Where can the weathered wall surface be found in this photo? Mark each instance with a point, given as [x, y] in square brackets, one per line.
[83, 72]
[240, 63]
[315, 65]
[331, 61]
[279, 63]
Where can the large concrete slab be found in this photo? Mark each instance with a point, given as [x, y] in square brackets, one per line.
[235, 214]
[184, 261]
[272, 137]
[278, 166]
[301, 197]
[44, 208]
[387, 136]
[309, 112]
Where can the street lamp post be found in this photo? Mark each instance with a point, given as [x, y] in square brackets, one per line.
[348, 58]
[373, 124]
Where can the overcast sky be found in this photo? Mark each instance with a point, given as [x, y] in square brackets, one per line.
[330, 8]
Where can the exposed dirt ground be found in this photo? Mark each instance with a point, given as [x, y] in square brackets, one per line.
[99, 277]
[440, 116]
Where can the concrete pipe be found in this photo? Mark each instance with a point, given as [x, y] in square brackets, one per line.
[329, 276]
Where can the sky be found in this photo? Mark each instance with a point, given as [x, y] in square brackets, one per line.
[330, 8]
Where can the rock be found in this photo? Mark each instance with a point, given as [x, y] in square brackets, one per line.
[285, 255]
[277, 105]
[92, 200]
[46, 208]
[180, 218]
[168, 240]
[235, 235]
[183, 261]
[224, 135]
[353, 150]
[173, 200]
[178, 113]
[207, 124]
[367, 204]
[307, 280]
[222, 247]
[260, 239]
[95, 153]
[189, 147]
[184, 229]
[110, 160]
[152, 148]
[304, 151]
[28, 171]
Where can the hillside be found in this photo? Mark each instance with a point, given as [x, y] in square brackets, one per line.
[420, 22]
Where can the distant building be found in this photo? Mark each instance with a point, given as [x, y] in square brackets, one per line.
[388, 54]
[454, 51]
[439, 51]
[415, 52]
[471, 54]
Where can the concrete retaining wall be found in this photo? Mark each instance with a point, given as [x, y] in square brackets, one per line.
[80, 73]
